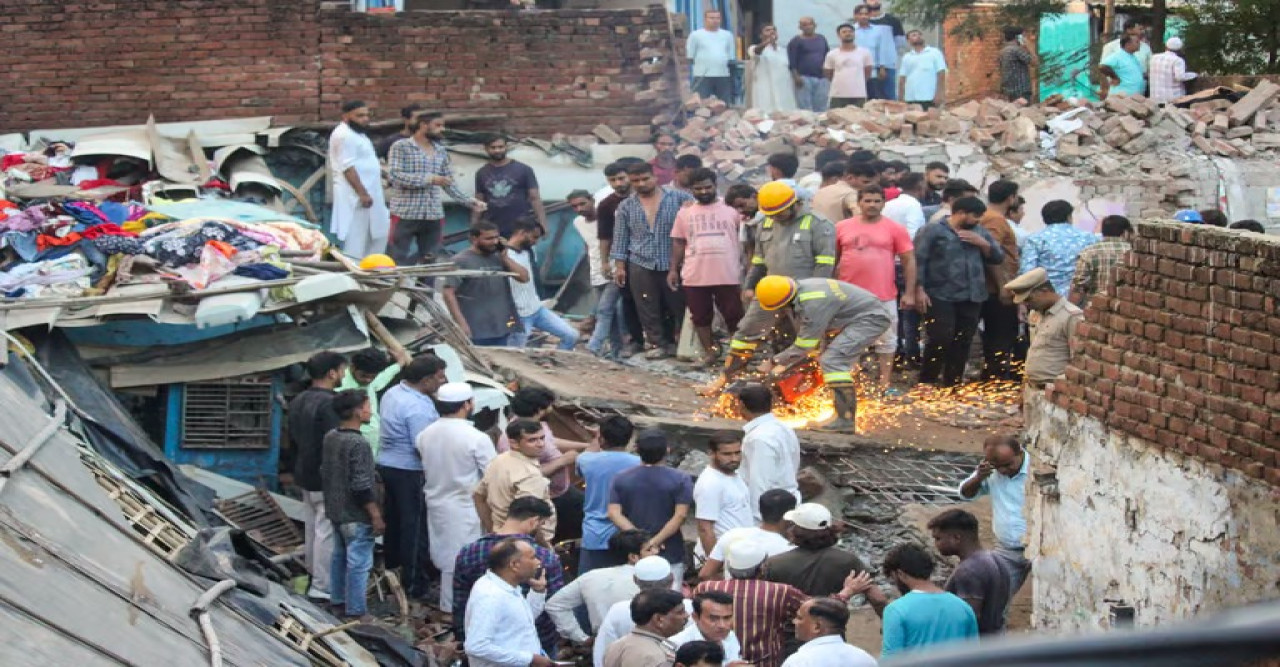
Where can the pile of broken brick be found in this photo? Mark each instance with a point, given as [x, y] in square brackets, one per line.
[1103, 138]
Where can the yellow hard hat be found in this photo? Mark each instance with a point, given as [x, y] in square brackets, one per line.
[774, 292]
[775, 197]
[377, 262]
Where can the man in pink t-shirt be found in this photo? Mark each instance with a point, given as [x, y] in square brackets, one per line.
[706, 258]
[865, 249]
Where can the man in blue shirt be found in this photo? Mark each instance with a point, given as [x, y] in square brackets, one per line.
[1124, 68]
[1003, 474]
[1056, 247]
[925, 615]
[878, 39]
[406, 410]
[597, 469]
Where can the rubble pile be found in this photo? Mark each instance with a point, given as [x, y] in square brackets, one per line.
[1120, 135]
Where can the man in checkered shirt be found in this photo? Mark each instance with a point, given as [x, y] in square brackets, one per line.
[1168, 75]
[1095, 267]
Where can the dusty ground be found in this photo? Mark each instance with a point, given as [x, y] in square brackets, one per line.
[665, 393]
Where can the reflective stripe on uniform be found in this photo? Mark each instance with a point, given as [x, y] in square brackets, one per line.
[767, 224]
[837, 376]
[824, 259]
[758, 260]
[806, 296]
[736, 344]
[806, 343]
[805, 222]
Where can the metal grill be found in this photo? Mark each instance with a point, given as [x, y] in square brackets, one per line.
[258, 515]
[900, 477]
[227, 414]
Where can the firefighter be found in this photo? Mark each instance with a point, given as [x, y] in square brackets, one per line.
[790, 242]
[834, 322]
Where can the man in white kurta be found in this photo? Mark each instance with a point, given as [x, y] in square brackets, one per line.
[454, 455]
[360, 218]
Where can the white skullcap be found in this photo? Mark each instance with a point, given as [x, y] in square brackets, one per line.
[744, 555]
[652, 568]
[1174, 44]
[455, 392]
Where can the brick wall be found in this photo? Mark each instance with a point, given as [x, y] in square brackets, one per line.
[74, 64]
[1185, 354]
[974, 63]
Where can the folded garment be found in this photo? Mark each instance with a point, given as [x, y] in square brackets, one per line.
[262, 271]
[106, 229]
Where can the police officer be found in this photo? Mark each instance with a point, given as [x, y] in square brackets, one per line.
[790, 242]
[1053, 320]
[846, 317]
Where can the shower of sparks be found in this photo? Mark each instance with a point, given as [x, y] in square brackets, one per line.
[957, 406]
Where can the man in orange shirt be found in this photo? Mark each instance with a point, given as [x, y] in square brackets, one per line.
[999, 313]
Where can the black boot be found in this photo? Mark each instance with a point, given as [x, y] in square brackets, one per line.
[846, 402]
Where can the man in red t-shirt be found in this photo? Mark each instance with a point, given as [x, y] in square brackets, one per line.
[866, 245]
[706, 258]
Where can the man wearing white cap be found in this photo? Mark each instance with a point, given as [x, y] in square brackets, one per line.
[816, 566]
[1169, 73]
[762, 608]
[601, 588]
[454, 456]
[651, 573]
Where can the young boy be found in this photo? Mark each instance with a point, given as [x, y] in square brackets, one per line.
[347, 477]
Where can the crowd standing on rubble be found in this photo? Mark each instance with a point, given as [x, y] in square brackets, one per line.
[862, 255]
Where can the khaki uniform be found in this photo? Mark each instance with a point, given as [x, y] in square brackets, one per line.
[1051, 337]
[802, 248]
[849, 317]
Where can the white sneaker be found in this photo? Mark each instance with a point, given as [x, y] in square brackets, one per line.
[317, 594]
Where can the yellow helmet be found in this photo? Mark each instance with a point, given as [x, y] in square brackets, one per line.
[377, 262]
[775, 197]
[774, 292]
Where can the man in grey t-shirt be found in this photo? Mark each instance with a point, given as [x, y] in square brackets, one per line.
[482, 305]
[979, 579]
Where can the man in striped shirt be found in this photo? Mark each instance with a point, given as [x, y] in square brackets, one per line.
[762, 609]
[641, 254]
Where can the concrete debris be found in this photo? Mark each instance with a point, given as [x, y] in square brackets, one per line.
[1119, 135]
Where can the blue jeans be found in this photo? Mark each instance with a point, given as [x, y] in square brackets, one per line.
[544, 320]
[886, 89]
[352, 562]
[609, 324]
[813, 93]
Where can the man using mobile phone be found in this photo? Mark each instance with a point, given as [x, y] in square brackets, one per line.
[499, 618]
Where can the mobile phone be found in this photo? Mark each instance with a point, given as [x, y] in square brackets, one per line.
[538, 574]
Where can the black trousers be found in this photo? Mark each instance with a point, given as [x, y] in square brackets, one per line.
[655, 301]
[719, 86]
[949, 327]
[427, 233]
[405, 543]
[999, 338]
[569, 514]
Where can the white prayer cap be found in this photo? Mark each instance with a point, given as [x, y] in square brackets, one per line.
[744, 555]
[652, 568]
[1174, 44]
[455, 392]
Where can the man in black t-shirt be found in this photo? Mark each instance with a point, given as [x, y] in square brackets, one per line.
[508, 187]
[979, 579]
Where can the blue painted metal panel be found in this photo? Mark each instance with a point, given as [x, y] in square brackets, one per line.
[257, 467]
[146, 333]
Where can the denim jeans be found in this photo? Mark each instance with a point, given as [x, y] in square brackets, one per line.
[883, 89]
[813, 92]
[352, 562]
[609, 324]
[544, 320]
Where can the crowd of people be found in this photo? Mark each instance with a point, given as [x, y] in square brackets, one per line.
[874, 59]
[477, 522]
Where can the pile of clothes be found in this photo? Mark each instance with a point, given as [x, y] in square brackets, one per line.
[82, 248]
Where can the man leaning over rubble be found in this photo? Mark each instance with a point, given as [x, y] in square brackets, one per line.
[792, 243]
[835, 322]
